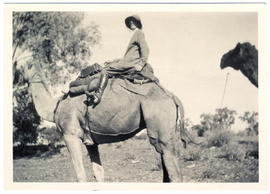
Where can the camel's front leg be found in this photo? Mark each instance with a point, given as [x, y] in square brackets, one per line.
[74, 143]
[96, 162]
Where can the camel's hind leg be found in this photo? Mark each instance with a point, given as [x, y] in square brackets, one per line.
[171, 166]
[96, 162]
[160, 118]
[169, 158]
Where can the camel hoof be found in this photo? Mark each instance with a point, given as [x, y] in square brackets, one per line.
[88, 142]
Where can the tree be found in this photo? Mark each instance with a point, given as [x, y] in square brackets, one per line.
[25, 118]
[56, 40]
[223, 118]
[207, 121]
[251, 118]
[59, 43]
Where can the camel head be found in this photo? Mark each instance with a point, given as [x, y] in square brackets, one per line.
[236, 57]
[243, 57]
[232, 58]
[32, 72]
[43, 101]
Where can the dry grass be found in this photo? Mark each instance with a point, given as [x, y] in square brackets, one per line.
[135, 160]
[218, 138]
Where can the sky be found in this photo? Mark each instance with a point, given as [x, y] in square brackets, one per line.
[185, 52]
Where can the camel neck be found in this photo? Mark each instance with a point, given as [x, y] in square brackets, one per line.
[44, 103]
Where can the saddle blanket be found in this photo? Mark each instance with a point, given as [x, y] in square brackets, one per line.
[135, 88]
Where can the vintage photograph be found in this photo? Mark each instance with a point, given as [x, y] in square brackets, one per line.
[135, 93]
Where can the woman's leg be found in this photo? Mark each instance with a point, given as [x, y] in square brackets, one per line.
[101, 87]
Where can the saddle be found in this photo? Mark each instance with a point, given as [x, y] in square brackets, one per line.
[90, 70]
[79, 86]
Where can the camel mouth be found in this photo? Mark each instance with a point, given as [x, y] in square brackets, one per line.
[222, 66]
[223, 63]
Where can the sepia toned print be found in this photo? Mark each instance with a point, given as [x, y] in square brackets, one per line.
[116, 96]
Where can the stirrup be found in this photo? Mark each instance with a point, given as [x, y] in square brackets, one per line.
[88, 94]
[97, 97]
[93, 96]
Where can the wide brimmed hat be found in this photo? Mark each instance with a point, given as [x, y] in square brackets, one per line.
[136, 19]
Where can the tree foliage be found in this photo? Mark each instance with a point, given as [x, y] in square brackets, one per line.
[60, 43]
[56, 40]
[251, 118]
[25, 118]
[223, 118]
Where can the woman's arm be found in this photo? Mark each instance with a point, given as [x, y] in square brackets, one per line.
[144, 49]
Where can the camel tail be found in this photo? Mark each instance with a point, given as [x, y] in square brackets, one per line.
[180, 124]
[180, 121]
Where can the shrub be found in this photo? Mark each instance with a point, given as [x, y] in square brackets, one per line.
[233, 151]
[25, 118]
[240, 148]
[49, 136]
[192, 153]
[252, 147]
[218, 138]
[200, 130]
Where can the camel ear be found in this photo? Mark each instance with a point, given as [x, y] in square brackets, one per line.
[237, 46]
[241, 51]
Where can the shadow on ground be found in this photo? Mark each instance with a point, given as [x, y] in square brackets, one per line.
[30, 151]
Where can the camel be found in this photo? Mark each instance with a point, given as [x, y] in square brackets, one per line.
[120, 115]
[243, 57]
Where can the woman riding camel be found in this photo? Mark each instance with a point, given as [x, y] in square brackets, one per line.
[133, 65]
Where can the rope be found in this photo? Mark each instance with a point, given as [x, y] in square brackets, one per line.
[224, 91]
[37, 78]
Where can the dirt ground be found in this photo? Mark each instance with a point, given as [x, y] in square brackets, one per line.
[134, 160]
